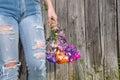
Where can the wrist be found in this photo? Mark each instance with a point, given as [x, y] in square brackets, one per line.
[49, 4]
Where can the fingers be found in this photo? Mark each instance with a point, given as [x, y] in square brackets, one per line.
[55, 20]
[49, 21]
[52, 20]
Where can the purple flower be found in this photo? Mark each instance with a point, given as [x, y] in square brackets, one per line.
[68, 54]
[73, 48]
[51, 58]
[61, 33]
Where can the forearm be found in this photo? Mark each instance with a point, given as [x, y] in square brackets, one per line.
[49, 3]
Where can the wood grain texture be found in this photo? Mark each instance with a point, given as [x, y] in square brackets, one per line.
[76, 35]
[109, 38]
[93, 47]
[118, 31]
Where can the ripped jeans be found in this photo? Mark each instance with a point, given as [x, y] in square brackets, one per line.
[22, 19]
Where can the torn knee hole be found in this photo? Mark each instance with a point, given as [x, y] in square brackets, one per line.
[39, 44]
[10, 63]
[6, 29]
[39, 54]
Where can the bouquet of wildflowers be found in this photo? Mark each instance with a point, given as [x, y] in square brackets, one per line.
[58, 49]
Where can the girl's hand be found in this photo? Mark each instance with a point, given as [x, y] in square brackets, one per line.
[52, 16]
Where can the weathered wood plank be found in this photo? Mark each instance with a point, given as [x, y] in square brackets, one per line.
[79, 19]
[109, 38]
[118, 32]
[76, 35]
[61, 10]
[93, 55]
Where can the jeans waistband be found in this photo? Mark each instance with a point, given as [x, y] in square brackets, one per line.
[18, 8]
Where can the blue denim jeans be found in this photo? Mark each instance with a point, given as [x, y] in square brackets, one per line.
[22, 19]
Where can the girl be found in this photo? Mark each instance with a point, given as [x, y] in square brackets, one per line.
[23, 19]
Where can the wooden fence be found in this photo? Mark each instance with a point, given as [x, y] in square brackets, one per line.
[94, 27]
